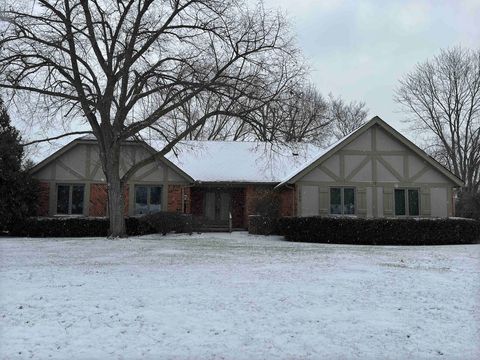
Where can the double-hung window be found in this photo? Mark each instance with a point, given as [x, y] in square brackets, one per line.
[148, 199]
[407, 202]
[342, 200]
[70, 199]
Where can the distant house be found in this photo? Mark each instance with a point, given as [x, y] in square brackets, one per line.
[373, 172]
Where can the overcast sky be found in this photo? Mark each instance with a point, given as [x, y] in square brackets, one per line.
[359, 49]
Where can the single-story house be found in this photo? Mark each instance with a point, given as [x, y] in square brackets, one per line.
[373, 172]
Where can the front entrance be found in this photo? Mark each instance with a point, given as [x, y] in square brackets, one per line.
[217, 207]
[211, 206]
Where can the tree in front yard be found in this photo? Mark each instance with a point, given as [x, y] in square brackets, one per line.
[123, 67]
[18, 190]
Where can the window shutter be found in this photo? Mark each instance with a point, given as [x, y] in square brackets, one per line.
[425, 202]
[387, 201]
[323, 201]
[362, 201]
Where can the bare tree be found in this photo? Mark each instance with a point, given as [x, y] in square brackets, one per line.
[442, 96]
[297, 114]
[126, 66]
[346, 117]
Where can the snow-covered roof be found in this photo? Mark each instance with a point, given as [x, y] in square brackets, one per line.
[237, 161]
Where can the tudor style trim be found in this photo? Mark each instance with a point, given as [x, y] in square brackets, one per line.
[80, 141]
[357, 133]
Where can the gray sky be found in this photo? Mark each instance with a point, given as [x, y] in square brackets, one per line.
[359, 49]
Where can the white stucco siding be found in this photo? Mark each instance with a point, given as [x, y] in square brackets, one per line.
[432, 176]
[352, 161]
[385, 141]
[333, 164]
[309, 200]
[370, 194]
[439, 202]
[317, 175]
[385, 175]
[362, 142]
[415, 164]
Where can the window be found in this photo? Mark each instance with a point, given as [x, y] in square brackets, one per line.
[70, 199]
[342, 201]
[148, 199]
[407, 202]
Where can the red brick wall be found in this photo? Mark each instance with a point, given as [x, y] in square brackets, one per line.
[288, 202]
[98, 200]
[174, 198]
[43, 199]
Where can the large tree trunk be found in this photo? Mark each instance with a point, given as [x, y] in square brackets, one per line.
[115, 187]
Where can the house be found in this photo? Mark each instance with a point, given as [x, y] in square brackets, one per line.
[373, 172]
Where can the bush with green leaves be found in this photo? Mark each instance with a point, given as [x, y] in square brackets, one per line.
[161, 223]
[385, 231]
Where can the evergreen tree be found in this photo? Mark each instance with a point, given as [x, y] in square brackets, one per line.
[18, 191]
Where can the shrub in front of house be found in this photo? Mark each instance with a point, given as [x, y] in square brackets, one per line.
[345, 230]
[162, 223]
[267, 211]
[165, 222]
[262, 225]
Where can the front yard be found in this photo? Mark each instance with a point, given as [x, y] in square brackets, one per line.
[215, 296]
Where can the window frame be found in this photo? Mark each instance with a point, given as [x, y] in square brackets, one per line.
[70, 198]
[149, 192]
[407, 201]
[342, 200]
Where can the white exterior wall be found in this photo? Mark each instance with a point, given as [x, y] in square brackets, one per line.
[439, 202]
[375, 163]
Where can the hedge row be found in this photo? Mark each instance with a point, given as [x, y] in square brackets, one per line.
[343, 230]
[162, 223]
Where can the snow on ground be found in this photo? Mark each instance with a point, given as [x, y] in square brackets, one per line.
[216, 296]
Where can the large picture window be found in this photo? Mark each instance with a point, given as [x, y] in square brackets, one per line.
[148, 199]
[342, 201]
[407, 202]
[70, 199]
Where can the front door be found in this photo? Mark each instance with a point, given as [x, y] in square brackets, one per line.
[217, 206]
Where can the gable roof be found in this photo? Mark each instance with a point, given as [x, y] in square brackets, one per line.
[240, 161]
[89, 140]
[329, 151]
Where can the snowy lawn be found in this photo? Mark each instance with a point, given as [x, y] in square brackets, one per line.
[216, 296]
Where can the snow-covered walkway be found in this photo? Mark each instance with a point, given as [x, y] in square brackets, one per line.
[222, 296]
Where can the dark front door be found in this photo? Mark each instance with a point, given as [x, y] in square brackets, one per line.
[217, 206]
